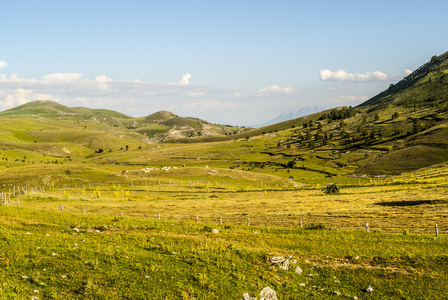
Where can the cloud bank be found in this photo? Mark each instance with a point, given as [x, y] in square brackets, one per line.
[342, 75]
[275, 89]
[139, 98]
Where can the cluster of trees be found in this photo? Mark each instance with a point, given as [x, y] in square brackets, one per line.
[339, 113]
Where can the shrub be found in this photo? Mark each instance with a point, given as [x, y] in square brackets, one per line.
[313, 226]
[331, 189]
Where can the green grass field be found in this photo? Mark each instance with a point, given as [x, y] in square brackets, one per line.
[135, 234]
[97, 205]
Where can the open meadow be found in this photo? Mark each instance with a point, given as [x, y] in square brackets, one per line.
[146, 233]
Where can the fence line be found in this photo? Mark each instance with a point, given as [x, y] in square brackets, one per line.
[298, 222]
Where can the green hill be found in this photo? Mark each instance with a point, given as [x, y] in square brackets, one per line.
[402, 129]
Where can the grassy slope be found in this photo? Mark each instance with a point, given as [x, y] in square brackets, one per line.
[60, 256]
[274, 178]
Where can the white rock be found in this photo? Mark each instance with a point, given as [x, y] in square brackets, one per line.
[298, 270]
[268, 293]
[275, 260]
[369, 289]
[301, 284]
[247, 297]
[215, 231]
[284, 265]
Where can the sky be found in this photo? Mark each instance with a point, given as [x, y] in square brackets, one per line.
[230, 62]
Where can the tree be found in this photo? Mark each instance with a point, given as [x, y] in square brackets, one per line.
[331, 189]
[291, 164]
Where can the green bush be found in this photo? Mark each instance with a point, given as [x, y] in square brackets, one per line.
[331, 189]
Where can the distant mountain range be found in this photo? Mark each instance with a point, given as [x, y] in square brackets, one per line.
[293, 114]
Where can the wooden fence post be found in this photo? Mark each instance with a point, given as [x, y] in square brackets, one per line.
[197, 219]
[158, 216]
[248, 222]
[220, 221]
[367, 227]
[437, 230]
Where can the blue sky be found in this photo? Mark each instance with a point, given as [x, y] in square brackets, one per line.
[228, 62]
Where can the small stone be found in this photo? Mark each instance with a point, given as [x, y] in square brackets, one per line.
[268, 294]
[247, 297]
[275, 260]
[297, 270]
[355, 298]
[53, 254]
[293, 261]
[215, 231]
[301, 284]
[284, 265]
[336, 293]
[369, 289]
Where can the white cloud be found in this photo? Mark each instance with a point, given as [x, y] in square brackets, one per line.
[211, 104]
[103, 78]
[196, 94]
[16, 97]
[143, 98]
[348, 99]
[275, 89]
[406, 72]
[342, 75]
[185, 79]
[62, 77]
[3, 64]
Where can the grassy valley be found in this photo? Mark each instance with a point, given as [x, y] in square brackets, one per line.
[100, 205]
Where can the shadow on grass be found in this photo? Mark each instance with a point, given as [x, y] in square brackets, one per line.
[411, 203]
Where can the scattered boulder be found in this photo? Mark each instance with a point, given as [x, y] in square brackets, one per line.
[268, 294]
[215, 231]
[247, 297]
[280, 261]
[369, 289]
[275, 260]
[298, 270]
